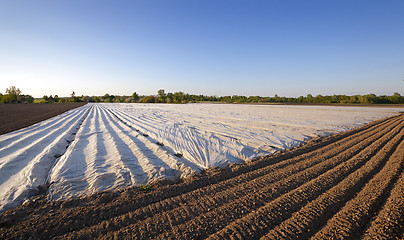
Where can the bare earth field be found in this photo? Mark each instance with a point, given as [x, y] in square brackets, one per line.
[17, 116]
[347, 185]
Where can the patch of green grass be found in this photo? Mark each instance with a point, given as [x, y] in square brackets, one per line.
[145, 187]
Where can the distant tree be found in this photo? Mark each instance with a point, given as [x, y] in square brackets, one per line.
[264, 99]
[169, 97]
[92, 99]
[161, 96]
[309, 98]
[226, 99]
[129, 100]
[368, 99]
[148, 99]
[135, 96]
[13, 91]
[178, 97]
[108, 98]
[238, 99]
[396, 98]
[253, 98]
[29, 99]
[73, 97]
[119, 99]
[51, 99]
[85, 98]
[319, 99]
[45, 98]
[97, 99]
[334, 99]
[7, 99]
[354, 99]
[25, 99]
[12, 94]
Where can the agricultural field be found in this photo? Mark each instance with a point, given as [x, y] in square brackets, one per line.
[348, 185]
[100, 147]
[17, 116]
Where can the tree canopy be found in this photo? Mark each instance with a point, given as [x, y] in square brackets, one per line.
[13, 95]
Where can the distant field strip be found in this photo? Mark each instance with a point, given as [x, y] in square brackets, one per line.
[16, 116]
[349, 186]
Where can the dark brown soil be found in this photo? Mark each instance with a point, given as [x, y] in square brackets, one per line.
[17, 116]
[349, 186]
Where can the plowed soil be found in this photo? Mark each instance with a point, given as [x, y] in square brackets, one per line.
[346, 186]
[17, 116]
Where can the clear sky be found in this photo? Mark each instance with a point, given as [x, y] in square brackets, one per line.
[209, 47]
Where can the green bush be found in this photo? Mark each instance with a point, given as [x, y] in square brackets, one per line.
[145, 187]
[148, 99]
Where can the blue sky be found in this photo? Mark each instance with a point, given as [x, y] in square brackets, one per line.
[210, 47]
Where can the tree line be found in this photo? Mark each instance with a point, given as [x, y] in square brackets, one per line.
[181, 97]
[13, 95]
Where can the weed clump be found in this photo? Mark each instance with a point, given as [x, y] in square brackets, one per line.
[145, 187]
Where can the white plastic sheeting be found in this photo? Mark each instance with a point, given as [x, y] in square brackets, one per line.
[110, 146]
